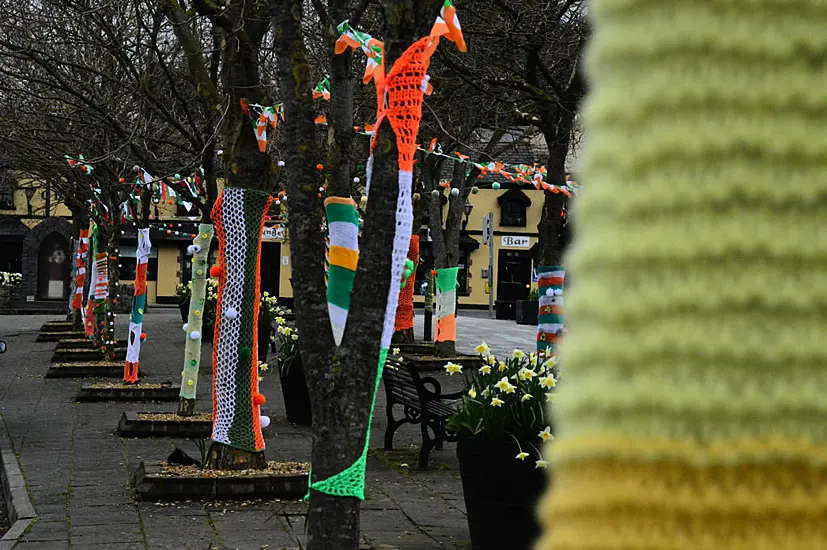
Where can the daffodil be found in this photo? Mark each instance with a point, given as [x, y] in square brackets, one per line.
[545, 435]
[483, 349]
[485, 369]
[497, 402]
[280, 320]
[486, 392]
[264, 367]
[491, 360]
[295, 337]
[453, 368]
[532, 360]
[526, 397]
[395, 351]
[521, 455]
[547, 381]
[501, 366]
[526, 374]
[541, 464]
[549, 397]
[518, 354]
[504, 385]
[473, 393]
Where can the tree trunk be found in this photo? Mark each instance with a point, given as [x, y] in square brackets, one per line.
[224, 457]
[192, 347]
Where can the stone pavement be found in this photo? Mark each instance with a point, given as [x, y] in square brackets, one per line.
[78, 472]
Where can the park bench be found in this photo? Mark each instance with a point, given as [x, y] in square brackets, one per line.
[422, 403]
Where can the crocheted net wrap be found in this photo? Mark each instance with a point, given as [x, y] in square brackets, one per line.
[136, 319]
[694, 413]
[405, 309]
[195, 319]
[238, 215]
[446, 304]
[550, 321]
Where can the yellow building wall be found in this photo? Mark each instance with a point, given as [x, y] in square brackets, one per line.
[169, 270]
[56, 208]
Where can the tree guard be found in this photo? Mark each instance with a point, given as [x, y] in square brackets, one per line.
[239, 220]
[405, 310]
[343, 254]
[550, 321]
[136, 319]
[80, 269]
[200, 250]
[446, 304]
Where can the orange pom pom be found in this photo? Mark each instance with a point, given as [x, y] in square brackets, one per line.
[143, 336]
[320, 166]
[259, 399]
[433, 272]
[215, 271]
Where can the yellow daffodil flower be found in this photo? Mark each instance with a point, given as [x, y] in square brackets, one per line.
[485, 369]
[518, 354]
[483, 349]
[545, 435]
[453, 368]
[521, 455]
[473, 393]
[501, 366]
[532, 360]
[491, 360]
[549, 397]
[395, 351]
[526, 397]
[547, 381]
[486, 392]
[505, 386]
[541, 464]
[526, 374]
[497, 402]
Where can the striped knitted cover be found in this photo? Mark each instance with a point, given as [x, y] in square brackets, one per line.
[694, 413]
[238, 215]
[343, 254]
[195, 319]
[136, 318]
[80, 269]
[446, 304]
[550, 325]
[101, 282]
[89, 313]
[405, 310]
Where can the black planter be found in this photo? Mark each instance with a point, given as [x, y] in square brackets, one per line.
[525, 312]
[185, 310]
[504, 310]
[501, 493]
[264, 334]
[294, 390]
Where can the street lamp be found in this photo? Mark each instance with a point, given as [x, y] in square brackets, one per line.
[29, 191]
[467, 207]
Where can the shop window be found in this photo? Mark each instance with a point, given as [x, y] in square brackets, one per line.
[513, 207]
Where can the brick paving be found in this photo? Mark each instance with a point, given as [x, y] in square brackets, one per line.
[78, 473]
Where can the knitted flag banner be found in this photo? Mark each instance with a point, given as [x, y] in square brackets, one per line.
[136, 319]
[405, 310]
[200, 249]
[550, 322]
[80, 269]
[238, 215]
[343, 254]
[89, 316]
[446, 304]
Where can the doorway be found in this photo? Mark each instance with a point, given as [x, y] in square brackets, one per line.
[270, 268]
[53, 268]
[513, 280]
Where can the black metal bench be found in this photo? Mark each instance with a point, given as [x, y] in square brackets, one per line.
[421, 404]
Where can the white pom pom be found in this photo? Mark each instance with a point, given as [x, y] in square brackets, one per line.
[191, 249]
[186, 326]
[231, 313]
[195, 335]
[280, 163]
[196, 247]
[356, 179]
[264, 421]
[558, 291]
[455, 191]
[550, 292]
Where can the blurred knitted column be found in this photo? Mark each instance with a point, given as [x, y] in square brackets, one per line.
[693, 413]
[550, 322]
[136, 319]
[446, 310]
[200, 250]
[81, 258]
[100, 286]
[403, 327]
[238, 215]
[89, 313]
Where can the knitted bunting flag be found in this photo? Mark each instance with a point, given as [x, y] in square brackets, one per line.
[343, 226]
[238, 215]
[550, 325]
[136, 319]
[446, 304]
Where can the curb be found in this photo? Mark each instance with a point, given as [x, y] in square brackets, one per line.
[21, 511]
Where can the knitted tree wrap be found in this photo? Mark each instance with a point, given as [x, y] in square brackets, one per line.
[405, 309]
[693, 414]
[195, 318]
[89, 315]
[550, 322]
[239, 219]
[136, 318]
[101, 281]
[446, 304]
[80, 269]
[343, 254]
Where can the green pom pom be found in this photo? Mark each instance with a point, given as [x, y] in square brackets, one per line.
[245, 353]
[409, 264]
[407, 273]
[495, 186]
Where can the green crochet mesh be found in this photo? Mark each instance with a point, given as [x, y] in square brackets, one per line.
[350, 482]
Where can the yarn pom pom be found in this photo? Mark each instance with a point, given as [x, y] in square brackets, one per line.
[244, 353]
[435, 193]
[215, 271]
[495, 186]
[186, 326]
[143, 336]
[558, 291]
[455, 192]
[356, 179]
[264, 421]
[259, 399]
[409, 264]
[475, 190]
[231, 313]
[280, 163]
[550, 292]
[195, 335]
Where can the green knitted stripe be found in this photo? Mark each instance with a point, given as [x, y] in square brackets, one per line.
[550, 319]
[138, 308]
[446, 279]
[341, 213]
[241, 432]
[339, 293]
